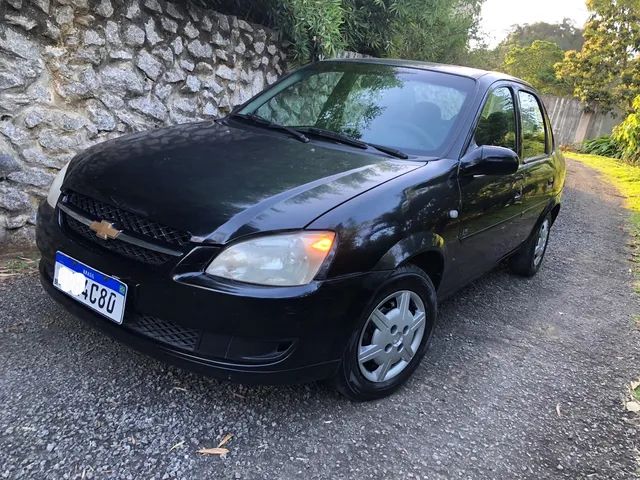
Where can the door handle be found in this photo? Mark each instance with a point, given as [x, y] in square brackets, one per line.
[518, 196]
[550, 183]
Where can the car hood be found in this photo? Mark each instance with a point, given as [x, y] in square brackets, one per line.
[219, 182]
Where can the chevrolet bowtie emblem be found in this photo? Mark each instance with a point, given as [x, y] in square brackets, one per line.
[105, 230]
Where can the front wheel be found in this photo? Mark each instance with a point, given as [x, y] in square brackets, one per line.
[391, 338]
[528, 259]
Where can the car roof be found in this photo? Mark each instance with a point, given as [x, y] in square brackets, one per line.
[474, 73]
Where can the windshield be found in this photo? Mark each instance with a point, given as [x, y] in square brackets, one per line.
[410, 109]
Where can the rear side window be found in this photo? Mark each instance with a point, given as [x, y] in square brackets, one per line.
[497, 124]
[534, 135]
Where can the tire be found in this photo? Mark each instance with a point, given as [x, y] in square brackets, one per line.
[527, 260]
[388, 337]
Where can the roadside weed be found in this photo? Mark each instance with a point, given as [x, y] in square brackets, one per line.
[626, 178]
[18, 263]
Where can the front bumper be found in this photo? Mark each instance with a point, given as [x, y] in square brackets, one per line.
[228, 330]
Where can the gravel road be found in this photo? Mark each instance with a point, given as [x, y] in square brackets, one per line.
[525, 379]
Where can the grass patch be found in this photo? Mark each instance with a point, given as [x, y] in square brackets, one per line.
[626, 178]
[15, 264]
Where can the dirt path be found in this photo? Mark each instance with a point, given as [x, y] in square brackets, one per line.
[508, 355]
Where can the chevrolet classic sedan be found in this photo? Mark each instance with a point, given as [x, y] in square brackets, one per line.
[311, 233]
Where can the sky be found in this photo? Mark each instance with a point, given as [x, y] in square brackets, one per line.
[499, 15]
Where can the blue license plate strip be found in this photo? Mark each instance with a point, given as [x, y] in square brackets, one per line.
[93, 276]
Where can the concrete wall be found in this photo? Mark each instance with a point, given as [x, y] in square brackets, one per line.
[571, 124]
[77, 72]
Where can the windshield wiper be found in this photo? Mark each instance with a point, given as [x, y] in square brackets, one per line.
[339, 137]
[258, 120]
[331, 135]
[390, 150]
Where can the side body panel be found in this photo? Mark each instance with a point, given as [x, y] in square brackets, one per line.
[491, 206]
[490, 220]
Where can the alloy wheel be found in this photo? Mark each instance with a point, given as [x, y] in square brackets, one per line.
[391, 336]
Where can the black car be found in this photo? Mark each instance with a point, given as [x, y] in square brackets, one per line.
[309, 234]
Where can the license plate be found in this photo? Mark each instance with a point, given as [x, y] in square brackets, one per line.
[102, 293]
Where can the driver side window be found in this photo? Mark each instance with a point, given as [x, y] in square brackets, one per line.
[497, 124]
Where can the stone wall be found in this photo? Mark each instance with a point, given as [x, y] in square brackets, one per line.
[77, 72]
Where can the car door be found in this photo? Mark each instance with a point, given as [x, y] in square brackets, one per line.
[491, 205]
[537, 147]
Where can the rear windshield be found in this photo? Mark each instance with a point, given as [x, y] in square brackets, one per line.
[413, 110]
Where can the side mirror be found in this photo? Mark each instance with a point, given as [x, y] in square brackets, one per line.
[489, 160]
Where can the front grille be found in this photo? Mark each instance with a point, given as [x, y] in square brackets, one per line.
[135, 225]
[166, 332]
[127, 221]
[125, 249]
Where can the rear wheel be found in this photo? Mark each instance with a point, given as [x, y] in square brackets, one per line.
[528, 259]
[391, 338]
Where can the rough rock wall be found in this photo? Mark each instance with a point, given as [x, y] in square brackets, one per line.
[77, 72]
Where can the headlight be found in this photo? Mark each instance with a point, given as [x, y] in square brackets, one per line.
[280, 260]
[54, 190]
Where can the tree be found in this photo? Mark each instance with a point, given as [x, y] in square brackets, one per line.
[314, 26]
[565, 35]
[627, 135]
[535, 64]
[368, 26]
[606, 71]
[434, 30]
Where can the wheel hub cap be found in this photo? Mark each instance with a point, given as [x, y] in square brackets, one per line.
[391, 336]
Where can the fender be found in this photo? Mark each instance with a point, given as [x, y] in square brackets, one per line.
[409, 247]
[554, 207]
[552, 204]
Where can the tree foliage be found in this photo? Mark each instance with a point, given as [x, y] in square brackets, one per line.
[606, 71]
[435, 30]
[565, 35]
[368, 24]
[627, 134]
[530, 52]
[535, 64]
[481, 56]
[314, 26]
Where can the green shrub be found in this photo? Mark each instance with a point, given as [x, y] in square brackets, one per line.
[604, 146]
[314, 27]
[627, 135]
[434, 30]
